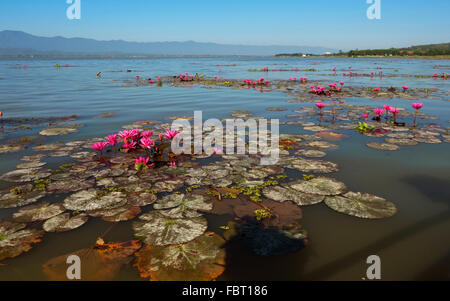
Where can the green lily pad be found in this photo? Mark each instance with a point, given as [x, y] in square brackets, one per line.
[180, 205]
[15, 239]
[39, 212]
[10, 148]
[401, 141]
[311, 153]
[63, 222]
[141, 199]
[167, 186]
[32, 158]
[361, 205]
[57, 131]
[25, 175]
[101, 262]
[315, 166]
[383, 146]
[322, 145]
[320, 186]
[282, 194]
[47, 147]
[202, 259]
[159, 230]
[92, 199]
[32, 164]
[70, 185]
[19, 196]
[118, 214]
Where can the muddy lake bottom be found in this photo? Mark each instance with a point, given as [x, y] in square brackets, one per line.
[413, 244]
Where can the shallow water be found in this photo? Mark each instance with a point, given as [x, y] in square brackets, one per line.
[414, 244]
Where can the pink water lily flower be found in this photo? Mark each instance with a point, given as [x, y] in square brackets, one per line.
[379, 112]
[342, 83]
[376, 90]
[141, 163]
[170, 134]
[217, 151]
[394, 112]
[100, 146]
[129, 146]
[146, 134]
[147, 143]
[112, 139]
[127, 134]
[417, 105]
[405, 88]
[320, 105]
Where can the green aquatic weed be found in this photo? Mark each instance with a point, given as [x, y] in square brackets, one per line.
[16, 191]
[193, 187]
[263, 214]
[308, 177]
[363, 127]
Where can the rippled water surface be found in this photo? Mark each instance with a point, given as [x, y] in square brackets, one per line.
[414, 244]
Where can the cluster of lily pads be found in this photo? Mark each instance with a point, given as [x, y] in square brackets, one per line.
[169, 203]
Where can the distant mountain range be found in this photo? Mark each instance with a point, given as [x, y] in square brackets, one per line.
[17, 43]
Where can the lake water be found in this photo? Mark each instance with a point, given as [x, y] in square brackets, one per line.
[412, 245]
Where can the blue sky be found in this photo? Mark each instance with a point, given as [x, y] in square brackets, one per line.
[339, 24]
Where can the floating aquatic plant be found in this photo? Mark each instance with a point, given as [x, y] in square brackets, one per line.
[16, 239]
[202, 259]
[101, 261]
[361, 205]
[158, 230]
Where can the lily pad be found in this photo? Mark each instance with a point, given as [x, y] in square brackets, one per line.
[19, 196]
[57, 131]
[316, 166]
[10, 148]
[311, 153]
[401, 141]
[32, 164]
[92, 199]
[202, 259]
[167, 186]
[15, 239]
[322, 145]
[141, 199]
[32, 158]
[282, 194]
[159, 230]
[180, 205]
[47, 147]
[361, 205]
[39, 212]
[25, 175]
[383, 146]
[118, 214]
[70, 185]
[321, 186]
[100, 262]
[63, 222]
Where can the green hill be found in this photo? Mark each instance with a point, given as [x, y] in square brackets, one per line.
[422, 50]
